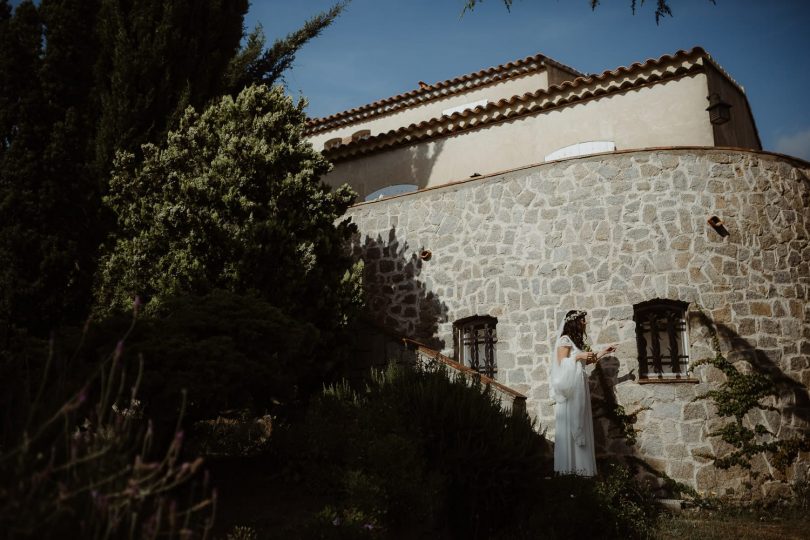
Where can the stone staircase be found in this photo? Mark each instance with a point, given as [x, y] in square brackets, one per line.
[511, 399]
[377, 346]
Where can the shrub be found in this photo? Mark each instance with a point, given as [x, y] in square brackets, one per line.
[227, 351]
[612, 505]
[488, 458]
[419, 451]
[237, 435]
[232, 201]
[365, 458]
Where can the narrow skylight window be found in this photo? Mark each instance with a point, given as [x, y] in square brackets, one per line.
[582, 149]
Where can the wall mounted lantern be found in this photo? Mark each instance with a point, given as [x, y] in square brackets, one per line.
[719, 110]
[717, 224]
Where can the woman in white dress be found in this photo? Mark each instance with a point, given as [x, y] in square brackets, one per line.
[573, 439]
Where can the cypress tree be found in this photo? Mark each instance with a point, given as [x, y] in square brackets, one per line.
[26, 255]
[157, 58]
[79, 80]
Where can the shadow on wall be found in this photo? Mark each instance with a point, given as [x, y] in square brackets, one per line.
[614, 427]
[423, 158]
[615, 430]
[412, 171]
[396, 299]
[794, 400]
[615, 434]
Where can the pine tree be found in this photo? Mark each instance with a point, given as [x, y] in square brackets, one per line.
[257, 65]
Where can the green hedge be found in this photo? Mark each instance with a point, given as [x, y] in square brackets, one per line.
[425, 454]
[227, 351]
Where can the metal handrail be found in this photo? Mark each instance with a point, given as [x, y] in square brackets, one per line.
[466, 370]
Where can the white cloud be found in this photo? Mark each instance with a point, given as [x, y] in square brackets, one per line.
[797, 145]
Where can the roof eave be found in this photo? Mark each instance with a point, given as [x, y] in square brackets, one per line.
[556, 96]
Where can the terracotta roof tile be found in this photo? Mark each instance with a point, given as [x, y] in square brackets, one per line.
[428, 92]
[585, 87]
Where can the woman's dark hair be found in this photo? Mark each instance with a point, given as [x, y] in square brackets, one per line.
[574, 328]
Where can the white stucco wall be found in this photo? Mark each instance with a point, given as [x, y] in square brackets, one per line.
[671, 113]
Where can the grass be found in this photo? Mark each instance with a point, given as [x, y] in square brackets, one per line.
[254, 494]
[751, 525]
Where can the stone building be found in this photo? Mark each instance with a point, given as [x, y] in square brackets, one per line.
[629, 194]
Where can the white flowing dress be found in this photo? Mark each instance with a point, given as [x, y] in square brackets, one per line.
[573, 440]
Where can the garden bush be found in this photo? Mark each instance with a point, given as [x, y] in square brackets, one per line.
[422, 453]
[230, 354]
[227, 351]
[419, 451]
[233, 200]
[612, 505]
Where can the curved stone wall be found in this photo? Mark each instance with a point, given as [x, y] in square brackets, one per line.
[603, 233]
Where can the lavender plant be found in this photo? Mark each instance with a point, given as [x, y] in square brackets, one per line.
[86, 467]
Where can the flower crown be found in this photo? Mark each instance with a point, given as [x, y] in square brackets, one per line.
[575, 315]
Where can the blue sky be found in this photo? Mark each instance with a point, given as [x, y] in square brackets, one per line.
[379, 48]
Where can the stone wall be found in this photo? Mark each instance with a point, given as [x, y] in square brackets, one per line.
[603, 233]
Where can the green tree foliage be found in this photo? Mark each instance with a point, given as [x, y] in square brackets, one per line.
[161, 57]
[80, 79]
[256, 65]
[43, 181]
[232, 201]
[419, 451]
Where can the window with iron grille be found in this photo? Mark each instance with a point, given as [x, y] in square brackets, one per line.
[474, 341]
[663, 351]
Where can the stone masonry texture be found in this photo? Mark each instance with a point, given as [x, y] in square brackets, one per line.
[603, 233]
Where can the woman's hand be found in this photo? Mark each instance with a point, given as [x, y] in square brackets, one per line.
[606, 351]
[587, 357]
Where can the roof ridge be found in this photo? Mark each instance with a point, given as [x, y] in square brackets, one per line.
[399, 100]
[681, 53]
[723, 72]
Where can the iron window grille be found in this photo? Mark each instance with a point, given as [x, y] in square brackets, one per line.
[661, 337]
[474, 341]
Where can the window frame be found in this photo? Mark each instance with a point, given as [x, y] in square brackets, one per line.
[651, 368]
[487, 340]
[390, 191]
